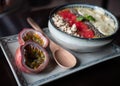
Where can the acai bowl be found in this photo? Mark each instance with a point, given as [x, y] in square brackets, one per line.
[82, 27]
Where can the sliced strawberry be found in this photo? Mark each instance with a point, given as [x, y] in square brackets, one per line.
[64, 13]
[70, 23]
[87, 34]
[81, 26]
[73, 17]
[68, 16]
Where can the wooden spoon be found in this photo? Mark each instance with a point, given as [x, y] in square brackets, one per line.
[62, 57]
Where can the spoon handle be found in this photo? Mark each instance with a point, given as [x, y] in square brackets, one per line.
[34, 25]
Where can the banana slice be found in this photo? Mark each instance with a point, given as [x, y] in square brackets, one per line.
[106, 30]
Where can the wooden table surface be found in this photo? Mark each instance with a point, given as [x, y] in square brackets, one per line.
[103, 74]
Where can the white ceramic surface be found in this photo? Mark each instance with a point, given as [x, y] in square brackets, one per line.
[80, 44]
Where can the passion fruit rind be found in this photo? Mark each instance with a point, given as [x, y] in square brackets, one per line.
[31, 57]
[28, 34]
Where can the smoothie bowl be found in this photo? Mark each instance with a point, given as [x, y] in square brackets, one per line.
[82, 27]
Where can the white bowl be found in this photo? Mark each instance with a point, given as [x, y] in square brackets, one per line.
[76, 43]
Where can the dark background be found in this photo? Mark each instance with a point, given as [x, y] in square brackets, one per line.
[104, 74]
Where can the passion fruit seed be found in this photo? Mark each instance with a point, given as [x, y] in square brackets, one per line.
[34, 57]
[30, 36]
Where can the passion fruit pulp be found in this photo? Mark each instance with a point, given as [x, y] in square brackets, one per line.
[28, 34]
[31, 57]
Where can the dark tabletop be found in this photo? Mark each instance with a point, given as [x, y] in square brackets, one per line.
[103, 74]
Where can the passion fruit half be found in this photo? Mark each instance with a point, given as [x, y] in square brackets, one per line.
[28, 34]
[31, 57]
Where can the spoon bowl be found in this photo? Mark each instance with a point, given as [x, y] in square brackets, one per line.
[71, 61]
[62, 57]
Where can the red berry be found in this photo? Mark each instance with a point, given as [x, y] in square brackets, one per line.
[73, 18]
[68, 16]
[81, 26]
[64, 13]
[70, 23]
[87, 34]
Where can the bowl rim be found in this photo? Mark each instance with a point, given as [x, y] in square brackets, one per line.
[56, 9]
